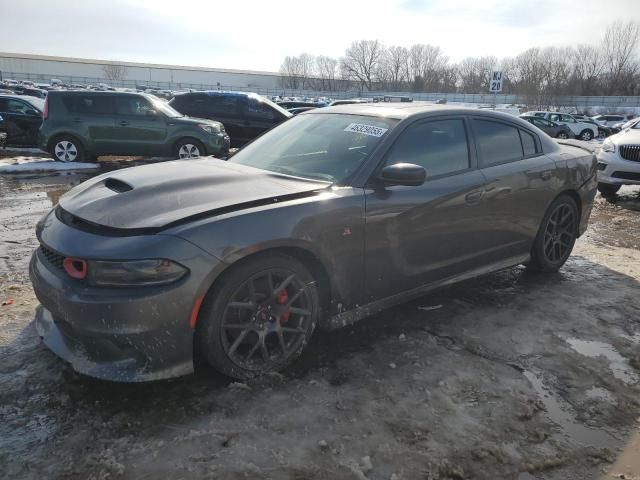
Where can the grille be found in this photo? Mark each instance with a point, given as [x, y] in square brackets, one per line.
[52, 257]
[626, 175]
[630, 152]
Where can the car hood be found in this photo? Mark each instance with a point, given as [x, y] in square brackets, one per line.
[160, 195]
[196, 121]
[627, 136]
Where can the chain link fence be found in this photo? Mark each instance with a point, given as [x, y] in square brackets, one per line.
[608, 102]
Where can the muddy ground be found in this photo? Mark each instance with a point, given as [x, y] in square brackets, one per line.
[512, 375]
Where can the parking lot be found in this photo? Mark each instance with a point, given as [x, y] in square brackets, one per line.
[511, 375]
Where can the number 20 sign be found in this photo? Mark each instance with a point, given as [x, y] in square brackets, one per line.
[495, 86]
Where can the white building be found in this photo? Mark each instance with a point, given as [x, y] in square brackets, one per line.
[42, 68]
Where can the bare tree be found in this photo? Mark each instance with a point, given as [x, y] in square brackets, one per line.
[290, 73]
[393, 67]
[361, 61]
[619, 46]
[474, 73]
[587, 65]
[114, 72]
[327, 71]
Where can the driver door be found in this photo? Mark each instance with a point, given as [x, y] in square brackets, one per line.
[419, 235]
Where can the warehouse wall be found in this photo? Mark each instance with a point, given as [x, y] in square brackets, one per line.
[135, 72]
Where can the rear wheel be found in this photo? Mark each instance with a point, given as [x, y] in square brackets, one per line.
[556, 236]
[67, 149]
[586, 135]
[607, 189]
[189, 148]
[260, 318]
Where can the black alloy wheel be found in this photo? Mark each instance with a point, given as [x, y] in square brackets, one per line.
[262, 317]
[556, 236]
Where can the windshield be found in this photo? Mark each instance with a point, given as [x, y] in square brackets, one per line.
[636, 125]
[326, 147]
[165, 108]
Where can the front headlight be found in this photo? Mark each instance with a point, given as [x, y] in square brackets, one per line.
[608, 146]
[134, 273]
[210, 128]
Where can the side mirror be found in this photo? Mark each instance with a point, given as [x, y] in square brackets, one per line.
[151, 113]
[33, 113]
[403, 174]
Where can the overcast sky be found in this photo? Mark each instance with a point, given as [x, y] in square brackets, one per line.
[257, 35]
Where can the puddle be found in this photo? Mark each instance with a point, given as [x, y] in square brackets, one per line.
[597, 393]
[617, 363]
[560, 413]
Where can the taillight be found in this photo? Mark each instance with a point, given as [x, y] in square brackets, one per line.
[45, 112]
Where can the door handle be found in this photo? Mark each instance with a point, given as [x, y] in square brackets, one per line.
[498, 193]
[546, 175]
[473, 197]
[124, 123]
[76, 120]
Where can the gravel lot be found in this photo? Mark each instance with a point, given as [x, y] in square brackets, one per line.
[512, 375]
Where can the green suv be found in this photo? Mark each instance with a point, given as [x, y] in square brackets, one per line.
[80, 125]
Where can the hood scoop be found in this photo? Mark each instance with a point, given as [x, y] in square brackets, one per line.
[116, 185]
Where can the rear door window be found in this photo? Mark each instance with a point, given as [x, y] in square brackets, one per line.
[497, 142]
[89, 104]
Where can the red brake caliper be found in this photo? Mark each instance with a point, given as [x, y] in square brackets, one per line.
[282, 299]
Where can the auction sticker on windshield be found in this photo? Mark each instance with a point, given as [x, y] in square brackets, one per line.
[371, 130]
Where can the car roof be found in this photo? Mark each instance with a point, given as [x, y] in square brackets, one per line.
[94, 92]
[28, 98]
[401, 111]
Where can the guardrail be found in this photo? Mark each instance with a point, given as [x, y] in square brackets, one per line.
[612, 102]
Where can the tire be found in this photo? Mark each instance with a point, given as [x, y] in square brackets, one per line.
[607, 189]
[586, 135]
[66, 148]
[556, 236]
[189, 148]
[562, 135]
[260, 332]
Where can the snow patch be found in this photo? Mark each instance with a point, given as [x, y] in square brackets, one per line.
[31, 164]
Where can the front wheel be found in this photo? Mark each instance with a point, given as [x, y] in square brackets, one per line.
[607, 189]
[563, 135]
[260, 317]
[556, 236]
[586, 135]
[67, 149]
[189, 148]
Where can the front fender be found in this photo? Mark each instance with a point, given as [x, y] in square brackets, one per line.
[329, 226]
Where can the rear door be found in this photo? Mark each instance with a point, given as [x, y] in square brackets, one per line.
[139, 129]
[417, 235]
[90, 116]
[520, 183]
[21, 121]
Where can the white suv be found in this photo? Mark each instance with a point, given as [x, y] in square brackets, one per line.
[582, 130]
[619, 161]
[608, 120]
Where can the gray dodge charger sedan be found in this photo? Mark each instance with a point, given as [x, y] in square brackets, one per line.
[330, 217]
